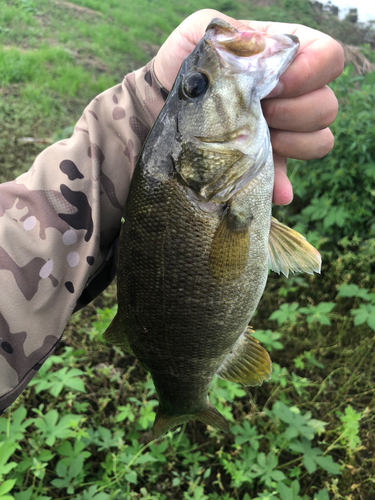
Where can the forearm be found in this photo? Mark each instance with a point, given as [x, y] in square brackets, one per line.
[59, 224]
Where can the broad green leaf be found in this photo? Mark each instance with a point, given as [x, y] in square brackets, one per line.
[279, 375]
[145, 458]
[297, 424]
[371, 319]
[76, 384]
[14, 426]
[104, 438]
[76, 466]
[7, 449]
[289, 493]
[60, 483]
[91, 494]
[350, 420]
[51, 428]
[61, 469]
[46, 456]
[268, 339]
[322, 495]
[318, 313]
[352, 290]
[6, 487]
[126, 412]
[246, 433]
[313, 457]
[265, 468]
[325, 307]
[328, 464]
[365, 313]
[131, 477]
[286, 312]
[24, 495]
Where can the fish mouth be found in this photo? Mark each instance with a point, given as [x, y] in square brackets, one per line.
[242, 44]
[248, 50]
[238, 137]
[248, 43]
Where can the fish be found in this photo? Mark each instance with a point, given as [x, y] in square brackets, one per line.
[197, 236]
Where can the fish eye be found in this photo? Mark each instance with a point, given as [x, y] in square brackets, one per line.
[195, 85]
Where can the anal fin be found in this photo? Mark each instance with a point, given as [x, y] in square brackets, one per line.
[248, 363]
[116, 335]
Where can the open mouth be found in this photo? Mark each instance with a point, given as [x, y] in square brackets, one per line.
[242, 44]
[249, 50]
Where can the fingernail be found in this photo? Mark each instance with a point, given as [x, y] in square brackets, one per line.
[277, 91]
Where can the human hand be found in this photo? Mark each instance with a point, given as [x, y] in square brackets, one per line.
[301, 107]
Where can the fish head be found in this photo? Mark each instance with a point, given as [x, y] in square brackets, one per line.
[219, 87]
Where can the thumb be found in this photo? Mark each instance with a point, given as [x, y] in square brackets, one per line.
[282, 191]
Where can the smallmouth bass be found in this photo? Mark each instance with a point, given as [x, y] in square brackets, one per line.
[197, 236]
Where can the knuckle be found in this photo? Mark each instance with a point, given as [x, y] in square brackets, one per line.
[271, 111]
[339, 58]
[330, 108]
[326, 144]
[336, 57]
[334, 108]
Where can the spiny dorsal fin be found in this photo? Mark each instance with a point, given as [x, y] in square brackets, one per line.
[210, 416]
[230, 248]
[289, 251]
[249, 363]
[116, 335]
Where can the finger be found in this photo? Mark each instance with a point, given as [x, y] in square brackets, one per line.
[315, 66]
[182, 41]
[308, 113]
[282, 191]
[198, 22]
[302, 145]
[320, 58]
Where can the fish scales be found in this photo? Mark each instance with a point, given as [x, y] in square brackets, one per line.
[186, 300]
[197, 232]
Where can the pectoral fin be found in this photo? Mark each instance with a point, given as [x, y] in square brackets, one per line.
[116, 334]
[249, 363]
[289, 251]
[230, 246]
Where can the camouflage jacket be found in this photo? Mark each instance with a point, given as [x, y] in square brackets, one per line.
[59, 224]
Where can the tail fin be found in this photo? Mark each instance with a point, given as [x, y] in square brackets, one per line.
[163, 423]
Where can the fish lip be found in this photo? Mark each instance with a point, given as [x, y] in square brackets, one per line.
[242, 134]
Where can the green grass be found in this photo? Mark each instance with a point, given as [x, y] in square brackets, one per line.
[81, 430]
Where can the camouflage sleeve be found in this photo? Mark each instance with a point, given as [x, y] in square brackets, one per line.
[59, 224]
